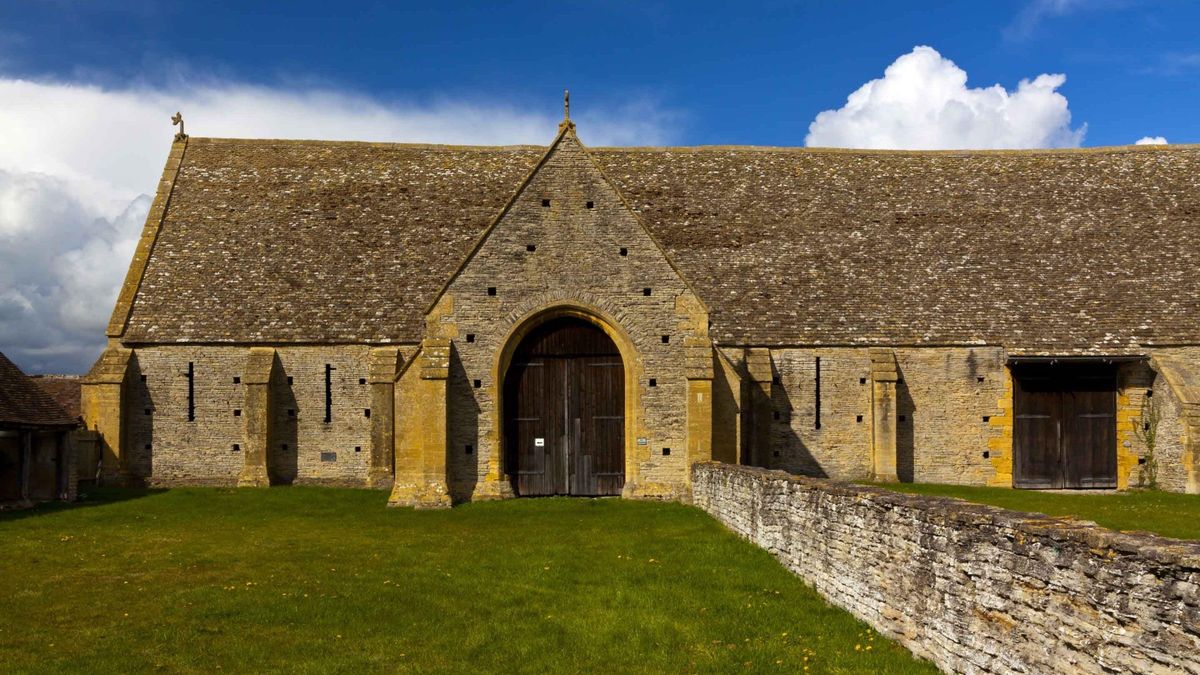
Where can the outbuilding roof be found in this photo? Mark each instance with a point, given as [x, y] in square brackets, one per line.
[24, 404]
[1048, 251]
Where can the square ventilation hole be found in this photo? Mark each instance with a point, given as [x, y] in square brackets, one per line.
[477, 383]
[624, 251]
[237, 448]
[1149, 393]
[290, 379]
[362, 380]
[358, 448]
[666, 452]
[903, 418]
[591, 205]
[237, 380]
[531, 247]
[776, 380]
[147, 446]
[1146, 426]
[987, 418]
[979, 379]
[862, 380]
[237, 413]
[653, 382]
[291, 412]
[545, 202]
[645, 291]
[491, 290]
[858, 418]
[366, 412]
[328, 456]
[1141, 460]
[469, 449]
[147, 411]
[144, 378]
[470, 337]
[666, 339]
[284, 447]
[986, 454]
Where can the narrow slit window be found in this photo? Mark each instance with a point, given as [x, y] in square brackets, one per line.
[191, 376]
[329, 393]
[366, 412]
[817, 393]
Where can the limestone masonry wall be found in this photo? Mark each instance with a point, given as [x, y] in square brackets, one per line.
[973, 588]
[167, 448]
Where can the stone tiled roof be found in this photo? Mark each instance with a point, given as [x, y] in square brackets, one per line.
[24, 404]
[1070, 251]
[64, 389]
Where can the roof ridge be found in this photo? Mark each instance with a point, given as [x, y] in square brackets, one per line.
[701, 148]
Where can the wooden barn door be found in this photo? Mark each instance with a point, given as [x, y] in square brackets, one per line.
[1065, 426]
[564, 410]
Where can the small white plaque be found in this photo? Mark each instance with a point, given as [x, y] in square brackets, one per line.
[539, 442]
[641, 441]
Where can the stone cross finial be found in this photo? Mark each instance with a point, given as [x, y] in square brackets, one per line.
[566, 104]
[177, 120]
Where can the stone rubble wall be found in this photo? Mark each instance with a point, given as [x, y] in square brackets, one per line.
[973, 588]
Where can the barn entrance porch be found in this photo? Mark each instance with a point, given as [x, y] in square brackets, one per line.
[564, 412]
[1065, 428]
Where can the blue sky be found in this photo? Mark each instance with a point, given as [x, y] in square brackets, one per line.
[732, 72]
[87, 89]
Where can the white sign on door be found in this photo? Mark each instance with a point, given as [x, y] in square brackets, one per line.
[539, 442]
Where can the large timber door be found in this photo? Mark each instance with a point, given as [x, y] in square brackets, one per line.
[1065, 426]
[564, 412]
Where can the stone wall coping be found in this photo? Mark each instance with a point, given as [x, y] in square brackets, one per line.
[1166, 551]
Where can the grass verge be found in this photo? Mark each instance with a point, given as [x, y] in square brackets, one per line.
[1167, 513]
[324, 580]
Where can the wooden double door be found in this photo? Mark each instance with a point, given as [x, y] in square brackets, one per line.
[1065, 426]
[564, 412]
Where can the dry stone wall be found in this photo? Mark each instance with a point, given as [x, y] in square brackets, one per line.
[973, 588]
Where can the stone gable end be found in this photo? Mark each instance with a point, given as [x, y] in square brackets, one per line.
[568, 241]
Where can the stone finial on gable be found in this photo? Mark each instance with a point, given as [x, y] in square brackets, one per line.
[566, 123]
[177, 120]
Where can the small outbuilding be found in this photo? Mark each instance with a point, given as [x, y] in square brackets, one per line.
[36, 456]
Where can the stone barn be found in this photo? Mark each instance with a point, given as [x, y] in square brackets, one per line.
[456, 323]
[37, 457]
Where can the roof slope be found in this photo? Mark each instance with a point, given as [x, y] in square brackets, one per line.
[65, 390]
[1071, 251]
[23, 403]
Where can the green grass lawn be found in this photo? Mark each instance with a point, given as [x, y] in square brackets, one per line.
[323, 580]
[1167, 513]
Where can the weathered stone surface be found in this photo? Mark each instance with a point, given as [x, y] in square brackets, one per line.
[973, 588]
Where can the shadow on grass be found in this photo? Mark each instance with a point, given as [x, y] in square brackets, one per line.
[91, 498]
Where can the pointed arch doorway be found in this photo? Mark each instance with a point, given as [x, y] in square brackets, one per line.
[564, 411]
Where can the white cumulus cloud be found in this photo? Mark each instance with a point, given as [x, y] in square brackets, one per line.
[1151, 140]
[923, 102]
[78, 163]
